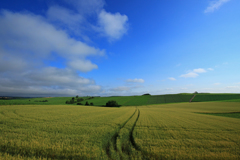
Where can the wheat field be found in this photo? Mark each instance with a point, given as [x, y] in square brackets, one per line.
[167, 131]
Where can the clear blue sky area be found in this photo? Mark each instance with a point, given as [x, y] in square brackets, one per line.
[119, 47]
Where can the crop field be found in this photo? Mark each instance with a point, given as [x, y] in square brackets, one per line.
[142, 100]
[166, 131]
[177, 131]
[171, 98]
[216, 97]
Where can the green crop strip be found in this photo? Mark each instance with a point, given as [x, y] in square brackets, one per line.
[230, 114]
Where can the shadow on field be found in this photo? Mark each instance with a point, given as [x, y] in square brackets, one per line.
[223, 114]
[110, 107]
[39, 153]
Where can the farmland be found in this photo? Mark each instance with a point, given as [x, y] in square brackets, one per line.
[127, 100]
[166, 131]
[216, 97]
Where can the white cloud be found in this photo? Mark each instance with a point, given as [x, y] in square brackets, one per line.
[51, 76]
[57, 13]
[135, 80]
[225, 63]
[122, 88]
[194, 73]
[87, 6]
[210, 69]
[50, 81]
[172, 79]
[215, 5]
[27, 41]
[178, 65]
[183, 88]
[199, 70]
[19, 64]
[111, 25]
[30, 44]
[233, 87]
[34, 40]
[65, 18]
[189, 75]
[83, 65]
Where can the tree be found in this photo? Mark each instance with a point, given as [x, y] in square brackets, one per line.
[146, 94]
[112, 104]
[91, 104]
[77, 96]
[87, 104]
[80, 99]
[67, 102]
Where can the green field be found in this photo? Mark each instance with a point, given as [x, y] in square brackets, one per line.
[228, 114]
[216, 97]
[127, 100]
[166, 131]
[142, 100]
[24, 101]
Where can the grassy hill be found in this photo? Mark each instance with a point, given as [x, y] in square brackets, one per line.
[127, 100]
[216, 97]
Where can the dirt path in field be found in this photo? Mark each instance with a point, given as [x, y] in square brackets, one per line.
[122, 147]
[192, 98]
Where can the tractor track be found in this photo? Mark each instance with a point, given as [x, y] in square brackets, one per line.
[112, 143]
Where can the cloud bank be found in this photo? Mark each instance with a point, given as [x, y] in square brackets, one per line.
[25, 50]
[45, 54]
[110, 25]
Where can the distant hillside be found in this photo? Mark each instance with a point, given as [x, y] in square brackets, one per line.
[125, 100]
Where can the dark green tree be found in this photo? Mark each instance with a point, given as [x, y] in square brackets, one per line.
[87, 104]
[67, 102]
[80, 99]
[112, 104]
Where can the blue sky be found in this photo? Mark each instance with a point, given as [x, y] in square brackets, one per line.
[103, 47]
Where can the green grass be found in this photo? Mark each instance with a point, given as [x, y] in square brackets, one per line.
[215, 97]
[101, 101]
[138, 100]
[142, 100]
[171, 98]
[167, 131]
[128, 100]
[25, 101]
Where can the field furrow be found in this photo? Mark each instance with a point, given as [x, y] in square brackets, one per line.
[122, 144]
